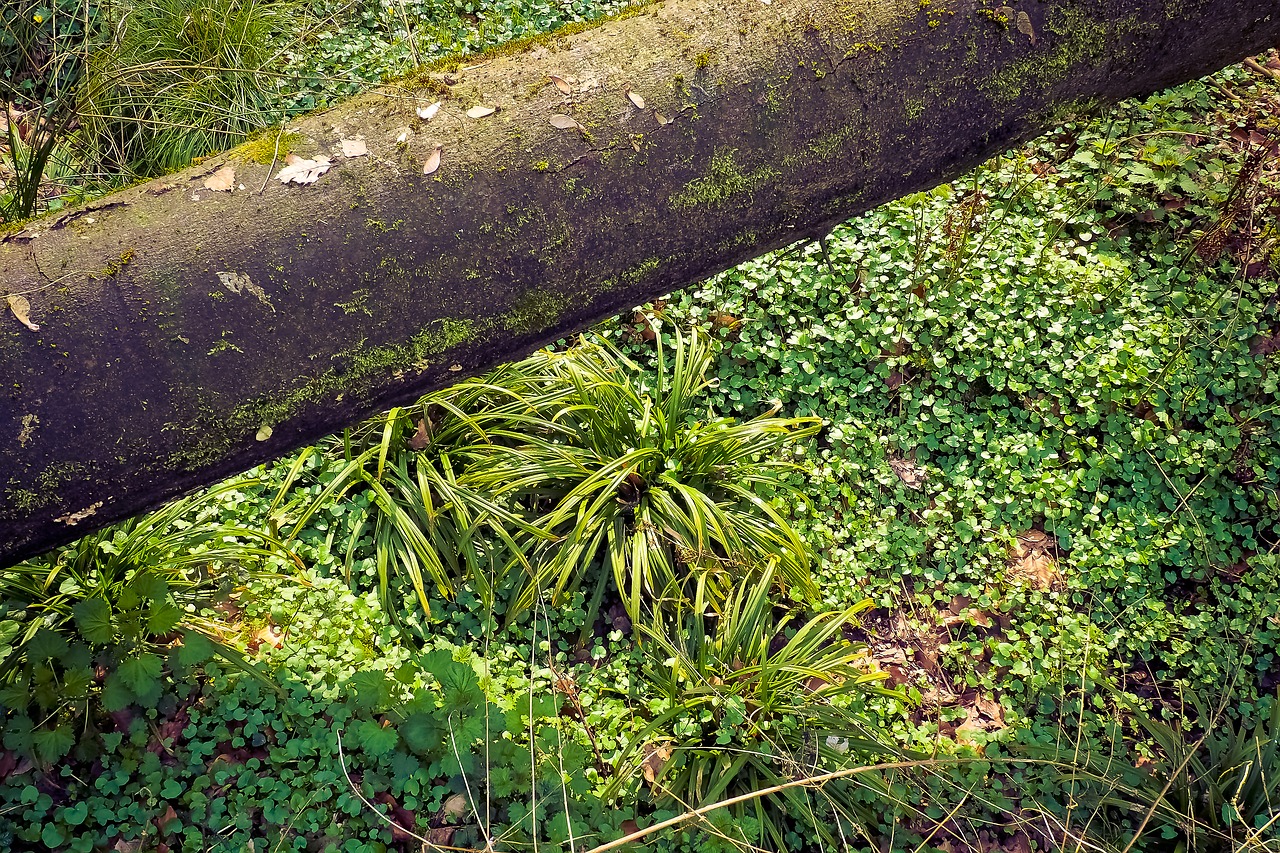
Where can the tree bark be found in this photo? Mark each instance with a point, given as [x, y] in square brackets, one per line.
[186, 334]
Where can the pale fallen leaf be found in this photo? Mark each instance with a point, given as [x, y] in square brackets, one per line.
[561, 84]
[455, 368]
[264, 432]
[427, 113]
[21, 309]
[455, 807]
[481, 111]
[563, 122]
[271, 635]
[404, 136]
[300, 170]
[221, 181]
[662, 119]
[1025, 27]
[433, 162]
[635, 99]
[354, 148]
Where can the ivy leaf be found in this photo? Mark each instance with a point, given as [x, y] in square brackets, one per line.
[51, 744]
[139, 674]
[93, 618]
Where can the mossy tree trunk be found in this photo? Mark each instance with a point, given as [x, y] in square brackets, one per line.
[186, 334]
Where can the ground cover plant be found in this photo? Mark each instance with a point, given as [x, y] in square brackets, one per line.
[1032, 525]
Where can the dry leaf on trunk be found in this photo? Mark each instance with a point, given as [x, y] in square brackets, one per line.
[635, 99]
[433, 162]
[481, 111]
[562, 84]
[302, 171]
[21, 309]
[1025, 27]
[354, 148]
[429, 112]
[662, 119]
[563, 122]
[222, 181]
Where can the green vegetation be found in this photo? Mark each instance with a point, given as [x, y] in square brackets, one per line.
[1004, 575]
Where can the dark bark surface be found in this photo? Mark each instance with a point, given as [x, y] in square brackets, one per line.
[187, 334]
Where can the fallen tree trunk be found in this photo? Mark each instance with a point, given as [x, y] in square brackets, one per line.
[186, 333]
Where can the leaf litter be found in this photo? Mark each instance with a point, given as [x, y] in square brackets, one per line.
[300, 170]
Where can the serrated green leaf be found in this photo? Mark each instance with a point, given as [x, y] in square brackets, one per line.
[140, 673]
[163, 618]
[376, 740]
[76, 682]
[422, 733]
[116, 696]
[46, 645]
[368, 689]
[149, 587]
[196, 648]
[93, 618]
[51, 744]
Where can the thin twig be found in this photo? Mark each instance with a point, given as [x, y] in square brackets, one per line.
[274, 156]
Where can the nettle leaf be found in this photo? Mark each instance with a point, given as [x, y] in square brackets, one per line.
[75, 682]
[368, 689]
[46, 644]
[196, 648]
[163, 618]
[150, 587]
[376, 740]
[422, 733]
[141, 673]
[116, 696]
[52, 744]
[93, 618]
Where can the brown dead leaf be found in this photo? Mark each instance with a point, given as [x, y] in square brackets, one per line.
[912, 475]
[21, 308]
[480, 111]
[222, 181]
[299, 170]
[168, 816]
[635, 99]
[441, 836]
[560, 121]
[662, 120]
[656, 757]
[433, 162]
[562, 84]
[354, 148]
[1031, 560]
[629, 827]
[420, 439]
